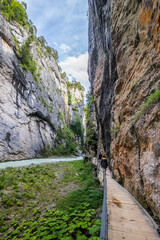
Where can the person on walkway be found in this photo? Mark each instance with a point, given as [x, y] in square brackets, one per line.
[104, 162]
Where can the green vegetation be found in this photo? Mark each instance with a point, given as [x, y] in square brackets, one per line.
[63, 75]
[13, 10]
[46, 105]
[75, 85]
[76, 127]
[71, 85]
[134, 84]
[69, 98]
[153, 97]
[91, 138]
[26, 58]
[51, 51]
[65, 142]
[69, 147]
[114, 130]
[59, 91]
[28, 194]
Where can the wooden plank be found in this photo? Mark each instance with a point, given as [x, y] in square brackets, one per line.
[126, 220]
[118, 235]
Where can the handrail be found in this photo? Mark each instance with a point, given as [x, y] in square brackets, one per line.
[104, 219]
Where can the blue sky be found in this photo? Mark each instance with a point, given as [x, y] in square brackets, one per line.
[64, 25]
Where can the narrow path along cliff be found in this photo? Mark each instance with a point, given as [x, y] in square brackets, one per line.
[45, 112]
[126, 220]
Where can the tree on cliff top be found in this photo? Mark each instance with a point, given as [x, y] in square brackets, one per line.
[13, 10]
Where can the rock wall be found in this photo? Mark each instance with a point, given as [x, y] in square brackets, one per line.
[124, 63]
[29, 108]
[76, 108]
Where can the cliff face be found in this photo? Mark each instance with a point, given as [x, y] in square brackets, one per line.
[76, 104]
[29, 106]
[124, 63]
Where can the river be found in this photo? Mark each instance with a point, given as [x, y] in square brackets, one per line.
[27, 162]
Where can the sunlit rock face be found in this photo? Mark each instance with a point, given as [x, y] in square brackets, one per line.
[29, 109]
[76, 108]
[124, 63]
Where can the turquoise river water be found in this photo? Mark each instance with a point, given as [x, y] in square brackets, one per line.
[28, 162]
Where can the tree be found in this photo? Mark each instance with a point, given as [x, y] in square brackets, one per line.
[13, 10]
[23, 4]
[42, 40]
[76, 127]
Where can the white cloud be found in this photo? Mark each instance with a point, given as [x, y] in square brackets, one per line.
[65, 48]
[76, 68]
[55, 44]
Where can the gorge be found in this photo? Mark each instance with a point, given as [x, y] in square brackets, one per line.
[40, 109]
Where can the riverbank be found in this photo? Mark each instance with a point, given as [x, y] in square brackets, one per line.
[28, 193]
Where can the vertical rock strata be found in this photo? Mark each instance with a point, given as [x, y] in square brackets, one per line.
[124, 71]
[102, 65]
[29, 108]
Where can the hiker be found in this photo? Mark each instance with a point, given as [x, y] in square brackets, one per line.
[104, 162]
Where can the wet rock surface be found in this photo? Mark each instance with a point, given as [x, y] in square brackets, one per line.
[124, 44]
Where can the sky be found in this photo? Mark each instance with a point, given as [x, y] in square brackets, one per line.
[64, 25]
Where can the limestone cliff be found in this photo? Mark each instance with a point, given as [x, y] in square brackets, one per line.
[124, 71]
[29, 103]
[75, 101]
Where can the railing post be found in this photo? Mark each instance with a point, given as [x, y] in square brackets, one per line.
[104, 219]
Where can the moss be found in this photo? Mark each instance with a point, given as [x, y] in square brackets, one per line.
[51, 108]
[59, 91]
[134, 84]
[153, 97]
[40, 88]
[115, 130]
[61, 117]
[16, 43]
[46, 105]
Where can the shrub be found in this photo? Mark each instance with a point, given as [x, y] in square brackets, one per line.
[63, 75]
[153, 97]
[75, 84]
[69, 98]
[76, 127]
[26, 58]
[13, 10]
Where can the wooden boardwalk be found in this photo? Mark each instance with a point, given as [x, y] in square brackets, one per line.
[126, 220]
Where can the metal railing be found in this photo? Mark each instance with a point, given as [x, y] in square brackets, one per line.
[104, 218]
